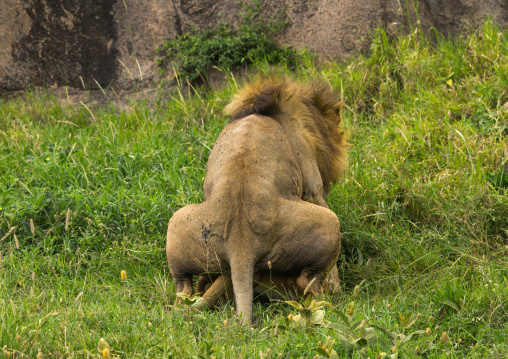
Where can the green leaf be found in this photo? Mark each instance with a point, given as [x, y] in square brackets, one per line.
[408, 337]
[362, 354]
[451, 304]
[404, 319]
[329, 343]
[360, 341]
[322, 304]
[294, 304]
[376, 341]
[188, 301]
[360, 256]
[307, 314]
[358, 325]
[344, 342]
[300, 320]
[392, 335]
[321, 351]
[340, 328]
[409, 320]
[344, 317]
[318, 317]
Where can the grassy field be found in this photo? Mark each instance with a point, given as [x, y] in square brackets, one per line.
[88, 192]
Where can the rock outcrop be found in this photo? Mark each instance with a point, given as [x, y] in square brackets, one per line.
[92, 43]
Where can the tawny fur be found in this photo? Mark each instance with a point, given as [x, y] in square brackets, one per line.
[313, 107]
[271, 164]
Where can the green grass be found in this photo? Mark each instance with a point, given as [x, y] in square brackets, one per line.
[423, 208]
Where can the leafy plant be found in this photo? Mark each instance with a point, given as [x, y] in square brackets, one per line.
[499, 179]
[360, 338]
[398, 339]
[357, 336]
[226, 47]
[326, 349]
[195, 302]
[310, 313]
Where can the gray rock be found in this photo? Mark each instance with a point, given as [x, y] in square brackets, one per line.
[92, 43]
[57, 42]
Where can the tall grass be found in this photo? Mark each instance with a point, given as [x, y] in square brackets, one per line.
[423, 207]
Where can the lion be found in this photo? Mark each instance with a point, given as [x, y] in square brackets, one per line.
[265, 193]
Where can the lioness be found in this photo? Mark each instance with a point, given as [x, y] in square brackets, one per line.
[264, 190]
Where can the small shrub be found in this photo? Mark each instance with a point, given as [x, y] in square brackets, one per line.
[225, 47]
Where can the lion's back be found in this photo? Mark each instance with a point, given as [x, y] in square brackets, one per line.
[251, 167]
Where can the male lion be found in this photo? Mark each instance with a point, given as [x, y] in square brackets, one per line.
[265, 187]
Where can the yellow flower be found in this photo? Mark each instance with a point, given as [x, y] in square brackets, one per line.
[123, 275]
[103, 348]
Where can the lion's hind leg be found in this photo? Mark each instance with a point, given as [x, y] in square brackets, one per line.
[310, 244]
[187, 249]
[309, 283]
[204, 282]
[220, 289]
[184, 285]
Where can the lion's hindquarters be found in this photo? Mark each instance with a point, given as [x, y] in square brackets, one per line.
[190, 248]
[309, 241]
